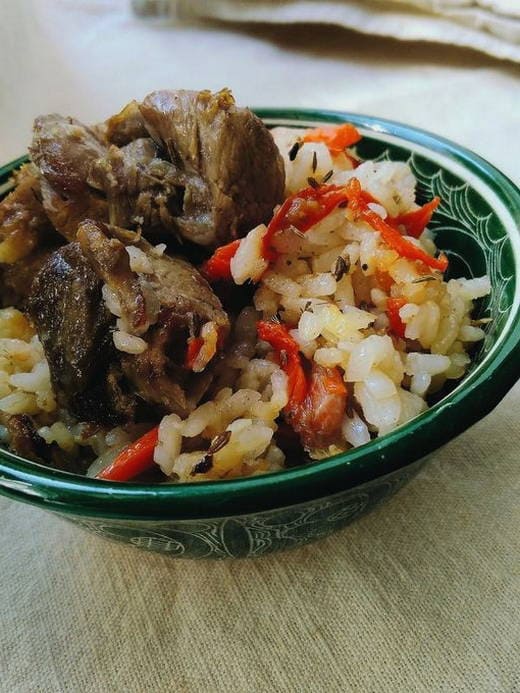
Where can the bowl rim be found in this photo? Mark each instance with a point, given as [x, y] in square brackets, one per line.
[480, 391]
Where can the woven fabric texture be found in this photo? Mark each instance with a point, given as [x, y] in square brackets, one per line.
[421, 595]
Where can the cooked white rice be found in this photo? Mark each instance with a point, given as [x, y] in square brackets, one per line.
[25, 386]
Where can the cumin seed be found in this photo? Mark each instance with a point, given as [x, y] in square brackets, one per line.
[340, 268]
[293, 151]
[327, 176]
[297, 232]
[314, 161]
[219, 442]
[419, 280]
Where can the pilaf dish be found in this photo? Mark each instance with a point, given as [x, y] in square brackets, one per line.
[191, 296]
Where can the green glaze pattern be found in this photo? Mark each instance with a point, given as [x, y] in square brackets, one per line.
[256, 534]
[477, 225]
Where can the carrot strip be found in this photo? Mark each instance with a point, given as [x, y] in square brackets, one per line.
[195, 344]
[288, 352]
[397, 326]
[389, 234]
[415, 222]
[310, 205]
[135, 459]
[384, 280]
[337, 138]
[302, 210]
[218, 266]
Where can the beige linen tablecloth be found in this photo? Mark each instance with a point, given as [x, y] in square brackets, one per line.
[422, 595]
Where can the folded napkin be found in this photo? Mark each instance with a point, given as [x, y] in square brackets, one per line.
[490, 26]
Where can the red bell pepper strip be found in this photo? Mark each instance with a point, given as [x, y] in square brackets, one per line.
[195, 344]
[415, 222]
[218, 266]
[316, 404]
[288, 352]
[310, 205]
[133, 460]
[355, 162]
[384, 280]
[302, 210]
[318, 418]
[337, 138]
[397, 326]
[389, 234]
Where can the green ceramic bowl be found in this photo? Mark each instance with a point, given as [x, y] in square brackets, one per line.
[477, 225]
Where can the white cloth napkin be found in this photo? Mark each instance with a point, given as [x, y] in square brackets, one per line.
[490, 26]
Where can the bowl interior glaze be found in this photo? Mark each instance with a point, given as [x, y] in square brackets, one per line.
[477, 225]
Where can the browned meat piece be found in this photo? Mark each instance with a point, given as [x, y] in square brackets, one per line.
[159, 374]
[223, 177]
[227, 166]
[24, 225]
[111, 263]
[73, 324]
[178, 302]
[16, 279]
[140, 187]
[187, 302]
[125, 126]
[27, 237]
[182, 290]
[318, 418]
[63, 150]
[24, 440]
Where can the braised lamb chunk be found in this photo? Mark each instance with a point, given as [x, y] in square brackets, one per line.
[24, 440]
[125, 126]
[184, 164]
[187, 303]
[166, 309]
[110, 262]
[27, 237]
[63, 150]
[159, 374]
[16, 279]
[139, 186]
[73, 325]
[227, 164]
[24, 225]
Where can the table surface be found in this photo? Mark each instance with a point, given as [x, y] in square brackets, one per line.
[421, 595]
